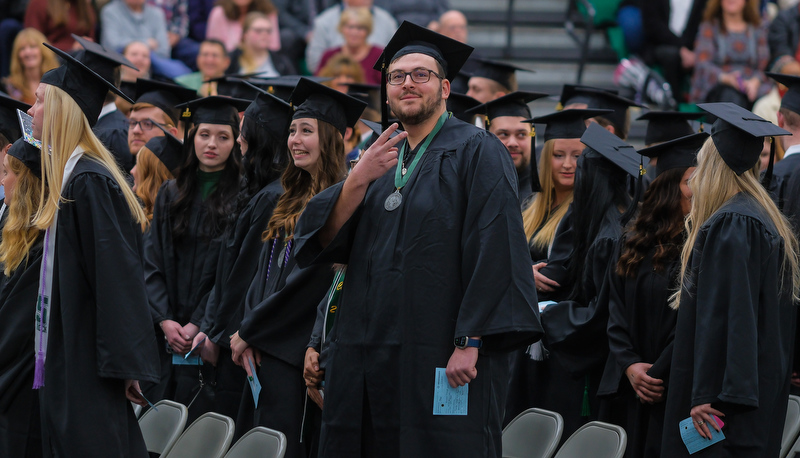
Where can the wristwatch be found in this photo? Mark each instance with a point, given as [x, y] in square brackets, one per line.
[464, 342]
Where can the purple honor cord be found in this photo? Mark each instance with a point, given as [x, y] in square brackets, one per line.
[38, 373]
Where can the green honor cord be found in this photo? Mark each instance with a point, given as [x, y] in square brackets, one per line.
[401, 179]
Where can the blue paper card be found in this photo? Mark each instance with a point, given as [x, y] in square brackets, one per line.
[148, 401]
[544, 304]
[195, 348]
[693, 440]
[446, 399]
[178, 360]
[255, 385]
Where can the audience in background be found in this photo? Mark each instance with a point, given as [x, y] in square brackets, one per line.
[226, 22]
[453, 24]
[253, 55]
[212, 61]
[355, 25]
[176, 12]
[342, 71]
[420, 12]
[139, 55]
[12, 13]
[59, 19]
[29, 61]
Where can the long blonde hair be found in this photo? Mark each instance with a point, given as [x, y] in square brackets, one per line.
[152, 174]
[19, 235]
[539, 211]
[16, 75]
[65, 127]
[712, 184]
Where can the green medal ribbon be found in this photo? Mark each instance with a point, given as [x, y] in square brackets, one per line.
[400, 179]
[333, 302]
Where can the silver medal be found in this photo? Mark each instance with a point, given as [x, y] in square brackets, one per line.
[393, 201]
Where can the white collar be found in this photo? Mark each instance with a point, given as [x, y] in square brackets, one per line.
[791, 150]
[107, 109]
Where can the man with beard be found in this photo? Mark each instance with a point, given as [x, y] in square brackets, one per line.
[504, 117]
[438, 282]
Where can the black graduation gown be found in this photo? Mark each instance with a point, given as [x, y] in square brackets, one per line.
[559, 258]
[524, 189]
[641, 328]
[20, 428]
[575, 333]
[733, 339]
[781, 175]
[236, 268]
[100, 329]
[179, 274]
[452, 260]
[279, 318]
[112, 130]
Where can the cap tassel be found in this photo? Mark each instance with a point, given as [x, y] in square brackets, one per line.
[536, 185]
[38, 373]
[637, 196]
[384, 100]
[767, 181]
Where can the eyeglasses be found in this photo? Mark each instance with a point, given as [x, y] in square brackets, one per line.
[146, 124]
[418, 75]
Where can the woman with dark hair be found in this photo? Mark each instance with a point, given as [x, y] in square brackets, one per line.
[262, 140]
[575, 328]
[643, 275]
[275, 348]
[190, 216]
[21, 257]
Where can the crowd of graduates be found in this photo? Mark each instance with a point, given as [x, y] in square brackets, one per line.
[255, 234]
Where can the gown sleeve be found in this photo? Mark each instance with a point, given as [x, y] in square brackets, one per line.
[111, 243]
[499, 300]
[559, 257]
[154, 272]
[728, 285]
[620, 345]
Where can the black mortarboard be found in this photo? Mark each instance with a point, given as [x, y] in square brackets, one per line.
[83, 84]
[566, 123]
[367, 93]
[739, 135]
[283, 86]
[500, 72]
[313, 100]
[28, 154]
[513, 104]
[234, 86]
[9, 120]
[612, 148]
[168, 149]
[663, 126]
[577, 93]
[100, 59]
[270, 113]
[128, 88]
[606, 100]
[460, 105]
[676, 153]
[413, 39]
[791, 99]
[163, 95]
[214, 109]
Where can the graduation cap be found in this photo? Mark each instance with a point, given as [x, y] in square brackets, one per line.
[128, 88]
[368, 93]
[663, 126]
[607, 100]
[213, 109]
[313, 100]
[413, 39]
[168, 149]
[100, 59]
[460, 104]
[578, 93]
[28, 154]
[739, 135]
[9, 120]
[513, 104]
[235, 86]
[622, 155]
[283, 86]
[499, 72]
[676, 153]
[791, 99]
[84, 85]
[566, 123]
[163, 95]
[270, 113]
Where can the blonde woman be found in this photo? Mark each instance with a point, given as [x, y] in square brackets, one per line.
[253, 55]
[738, 283]
[94, 337]
[21, 257]
[355, 25]
[29, 61]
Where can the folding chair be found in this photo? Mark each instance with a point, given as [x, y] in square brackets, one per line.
[209, 436]
[533, 434]
[162, 425]
[595, 439]
[259, 442]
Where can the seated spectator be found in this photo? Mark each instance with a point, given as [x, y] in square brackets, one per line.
[453, 24]
[134, 20]
[226, 22]
[731, 55]
[295, 26]
[342, 71]
[325, 35]
[670, 29]
[12, 13]
[355, 26]
[420, 12]
[784, 40]
[212, 60]
[199, 10]
[253, 56]
[139, 55]
[176, 12]
[30, 60]
[59, 19]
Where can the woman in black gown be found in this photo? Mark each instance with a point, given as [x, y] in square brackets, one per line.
[641, 278]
